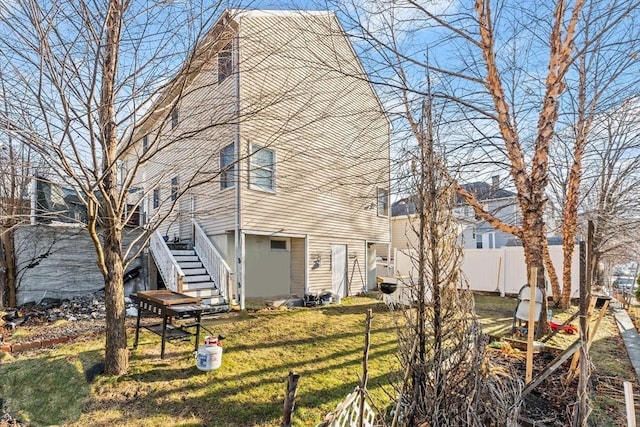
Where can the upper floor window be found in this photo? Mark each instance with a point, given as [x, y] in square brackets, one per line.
[383, 202]
[175, 118]
[227, 167]
[174, 188]
[156, 198]
[263, 168]
[145, 143]
[225, 63]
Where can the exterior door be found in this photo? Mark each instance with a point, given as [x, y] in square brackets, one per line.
[339, 269]
[372, 266]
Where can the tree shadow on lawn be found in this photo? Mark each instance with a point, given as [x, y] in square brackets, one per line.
[216, 402]
[44, 390]
[357, 308]
[249, 387]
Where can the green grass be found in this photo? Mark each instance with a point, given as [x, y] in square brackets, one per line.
[324, 345]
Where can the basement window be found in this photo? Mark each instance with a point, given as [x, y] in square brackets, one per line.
[278, 244]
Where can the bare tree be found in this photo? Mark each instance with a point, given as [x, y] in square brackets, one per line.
[88, 70]
[602, 75]
[504, 69]
[610, 185]
[441, 347]
[18, 164]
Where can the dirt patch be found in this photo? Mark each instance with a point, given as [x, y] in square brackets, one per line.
[52, 320]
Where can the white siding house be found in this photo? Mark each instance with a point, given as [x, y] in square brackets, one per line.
[278, 150]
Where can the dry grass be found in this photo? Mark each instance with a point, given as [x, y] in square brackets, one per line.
[323, 345]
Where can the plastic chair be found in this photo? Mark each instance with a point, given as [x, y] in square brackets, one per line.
[521, 312]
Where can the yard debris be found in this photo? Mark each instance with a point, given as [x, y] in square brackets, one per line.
[88, 307]
[6, 419]
[18, 320]
[567, 329]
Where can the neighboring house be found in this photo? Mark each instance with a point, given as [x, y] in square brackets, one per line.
[503, 204]
[289, 148]
[473, 233]
[56, 203]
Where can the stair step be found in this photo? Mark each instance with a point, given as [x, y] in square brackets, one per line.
[216, 308]
[194, 271]
[190, 264]
[182, 252]
[197, 279]
[202, 293]
[186, 258]
[208, 284]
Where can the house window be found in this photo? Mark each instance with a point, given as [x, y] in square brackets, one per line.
[383, 202]
[145, 143]
[174, 188]
[478, 241]
[227, 167]
[156, 198]
[278, 244]
[262, 174]
[175, 118]
[225, 63]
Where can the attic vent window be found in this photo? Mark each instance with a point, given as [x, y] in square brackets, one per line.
[227, 167]
[225, 63]
[174, 188]
[156, 198]
[383, 202]
[175, 118]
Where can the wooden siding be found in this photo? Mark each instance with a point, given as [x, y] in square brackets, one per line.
[320, 277]
[298, 266]
[302, 95]
[330, 138]
[191, 152]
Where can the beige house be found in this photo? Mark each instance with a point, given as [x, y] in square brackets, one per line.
[270, 172]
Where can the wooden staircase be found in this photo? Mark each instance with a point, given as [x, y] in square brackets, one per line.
[196, 281]
[194, 268]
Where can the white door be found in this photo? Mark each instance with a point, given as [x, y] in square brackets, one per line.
[339, 269]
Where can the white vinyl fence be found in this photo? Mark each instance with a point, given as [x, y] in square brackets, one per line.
[497, 270]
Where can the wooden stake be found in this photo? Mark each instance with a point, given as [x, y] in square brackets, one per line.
[590, 334]
[365, 368]
[290, 398]
[533, 280]
[629, 402]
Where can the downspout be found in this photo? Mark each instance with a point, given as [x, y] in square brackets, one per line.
[307, 269]
[239, 242]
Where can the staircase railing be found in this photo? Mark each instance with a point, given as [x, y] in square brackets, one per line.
[212, 260]
[172, 274]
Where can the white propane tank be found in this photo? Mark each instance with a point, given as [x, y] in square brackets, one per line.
[209, 356]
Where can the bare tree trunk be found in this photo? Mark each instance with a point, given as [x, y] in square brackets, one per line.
[551, 272]
[533, 244]
[116, 353]
[9, 264]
